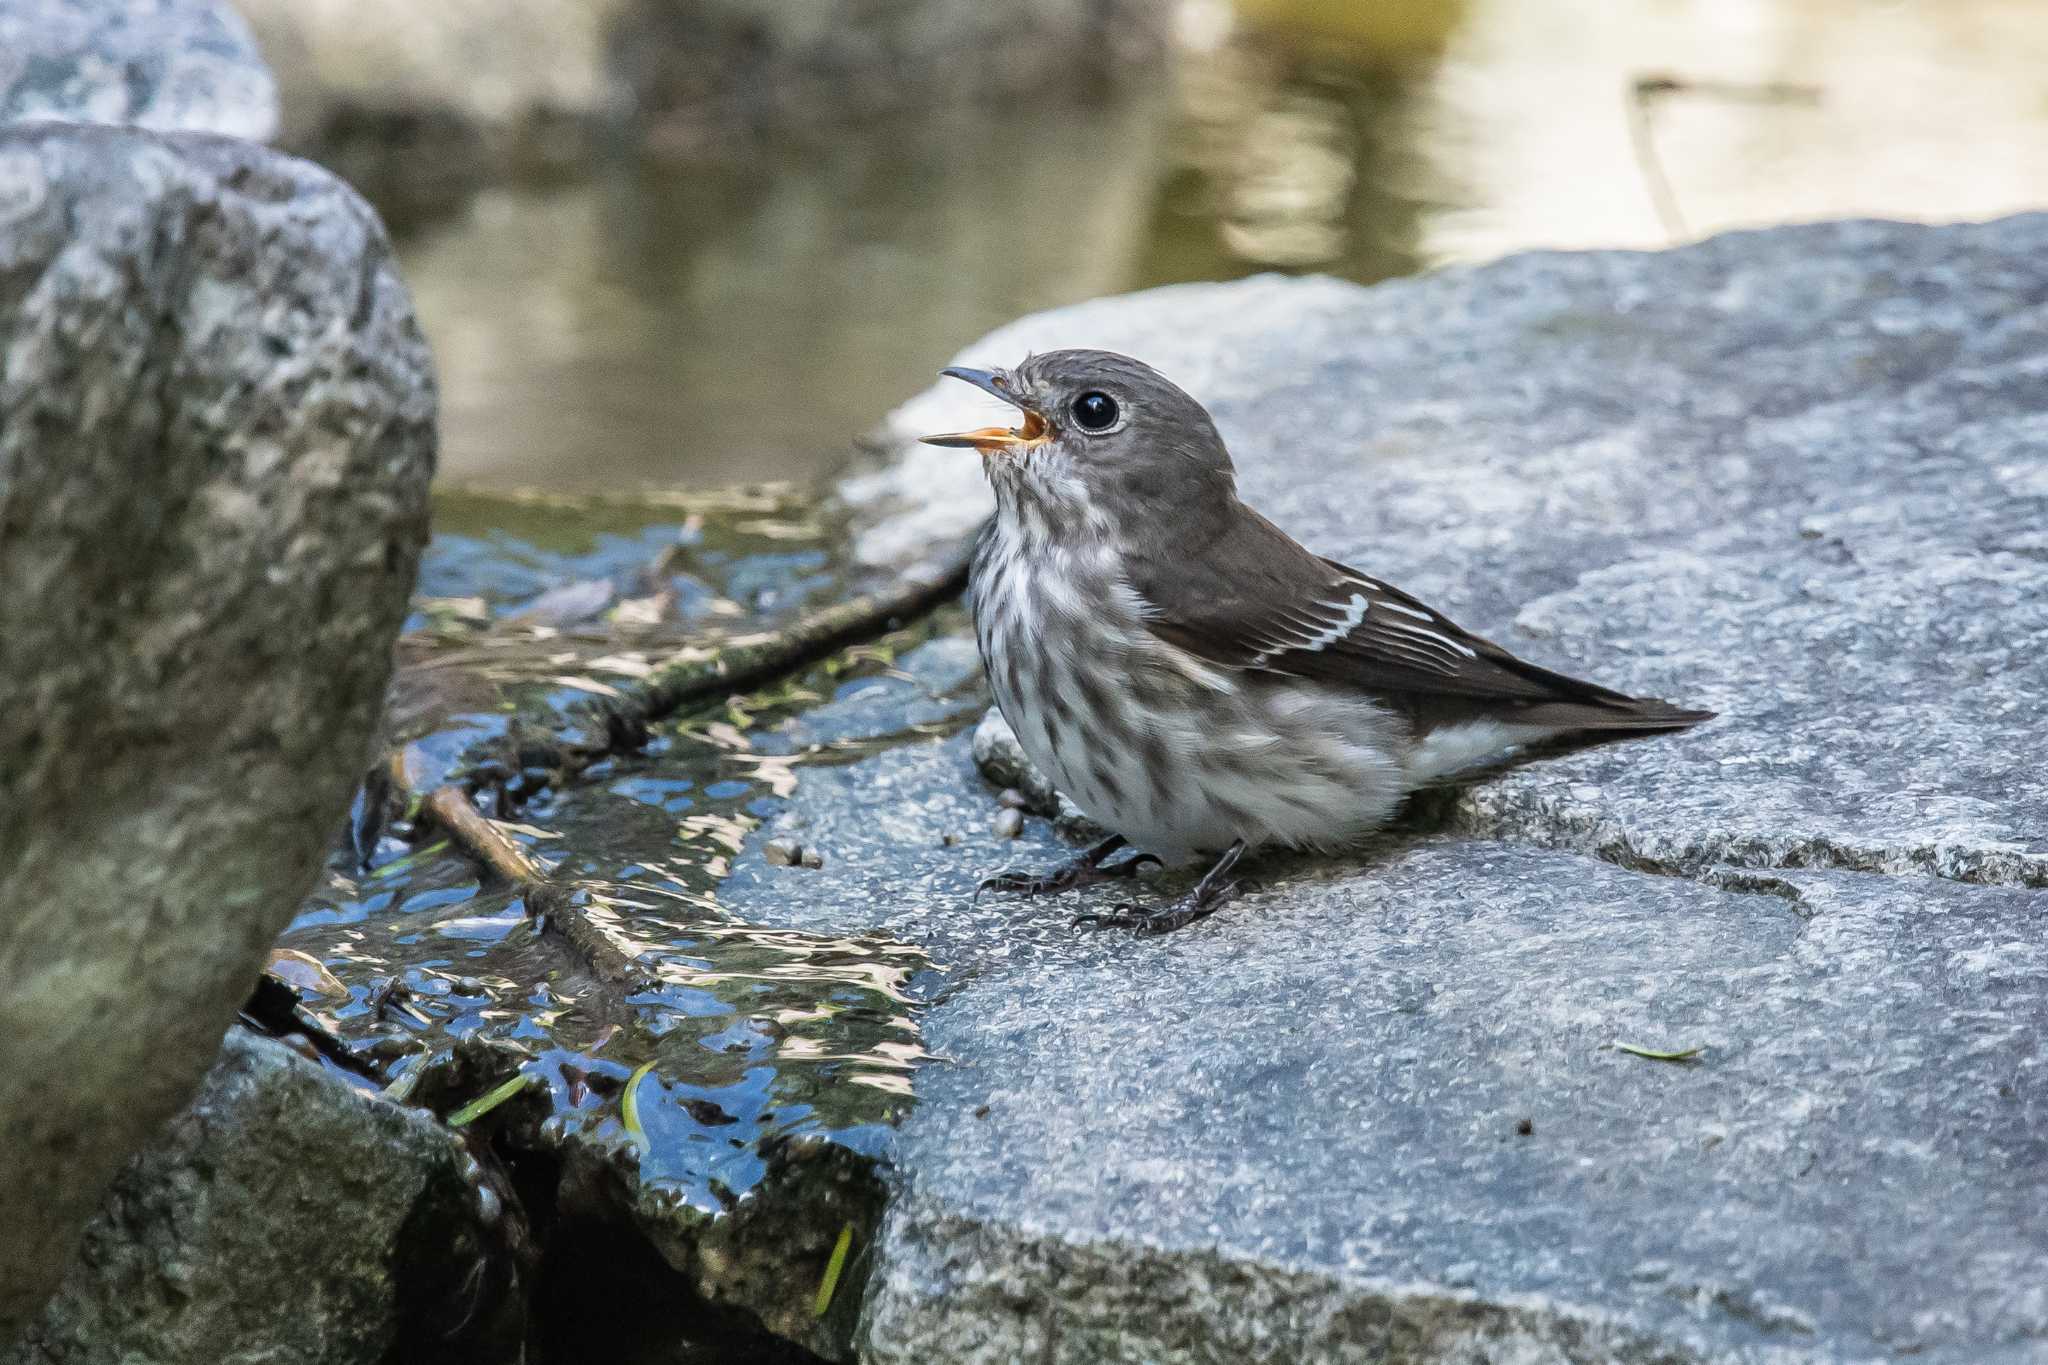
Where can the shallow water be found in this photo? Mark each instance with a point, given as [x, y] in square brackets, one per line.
[705, 324]
[674, 1063]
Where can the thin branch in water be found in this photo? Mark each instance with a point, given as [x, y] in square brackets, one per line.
[688, 678]
[556, 907]
[482, 840]
[1645, 90]
[742, 667]
[1642, 139]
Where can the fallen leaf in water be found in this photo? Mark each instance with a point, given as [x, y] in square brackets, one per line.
[446, 611]
[590, 685]
[304, 973]
[530, 831]
[629, 1105]
[771, 529]
[642, 611]
[409, 861]
[630, 665]
[567, 604]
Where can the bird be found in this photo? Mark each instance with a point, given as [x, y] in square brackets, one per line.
[1194, 679]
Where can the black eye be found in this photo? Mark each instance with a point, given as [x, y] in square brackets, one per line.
[1094, 411]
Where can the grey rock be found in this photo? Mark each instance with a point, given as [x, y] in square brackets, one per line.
[1293, 1132]
[1002, 761]
[404, 97]
[1009, 823]
[287, 1215]
[166, 65]
[216, 433]
[1373, 1110]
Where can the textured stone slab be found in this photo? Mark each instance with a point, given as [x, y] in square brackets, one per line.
[1297, 1131]
[167, 65]
[216, 434]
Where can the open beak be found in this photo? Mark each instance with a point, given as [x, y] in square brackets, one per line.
[986, 439]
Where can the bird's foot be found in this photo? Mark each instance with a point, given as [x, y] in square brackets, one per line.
[1197, 904]
[1212, 893]
[1087, 868]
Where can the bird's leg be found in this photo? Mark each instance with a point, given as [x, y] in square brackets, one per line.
[1214, 891]
[1080, 872]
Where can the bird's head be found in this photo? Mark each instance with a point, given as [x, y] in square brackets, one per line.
[1105, 442]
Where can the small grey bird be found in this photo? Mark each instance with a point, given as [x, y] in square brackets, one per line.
[1189, 675]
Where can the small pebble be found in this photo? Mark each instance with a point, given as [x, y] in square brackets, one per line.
[1009, 798]
[781, 852]
[813, 858]
[1009, 823]
[1525, 1127]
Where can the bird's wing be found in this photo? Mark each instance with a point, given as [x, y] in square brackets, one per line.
[1255, 600]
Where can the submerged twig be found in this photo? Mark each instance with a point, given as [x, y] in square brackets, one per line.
[745, 664]
[556, 907]
[482, 840]
[696, 675]
[689, 677]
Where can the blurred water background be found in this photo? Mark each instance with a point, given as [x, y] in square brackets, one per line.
[684, 318]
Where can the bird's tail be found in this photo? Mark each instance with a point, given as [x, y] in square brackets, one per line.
[1622, 714]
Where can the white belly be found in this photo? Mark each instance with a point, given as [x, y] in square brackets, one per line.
[1177, 757]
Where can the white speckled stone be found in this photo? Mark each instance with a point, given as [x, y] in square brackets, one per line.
[216, 436]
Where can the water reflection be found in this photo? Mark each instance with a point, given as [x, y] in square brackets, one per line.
[444, 985]
[706, 324]
[1926, 109]
[721, 324]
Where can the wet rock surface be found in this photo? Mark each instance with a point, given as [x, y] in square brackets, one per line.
[216, 432]
[166, 65]
[1376, 1109]
[288, 1214]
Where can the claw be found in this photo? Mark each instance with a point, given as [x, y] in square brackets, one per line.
[1022, 882]
[1161, 919]
[1209, 895]
[1081, 871]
